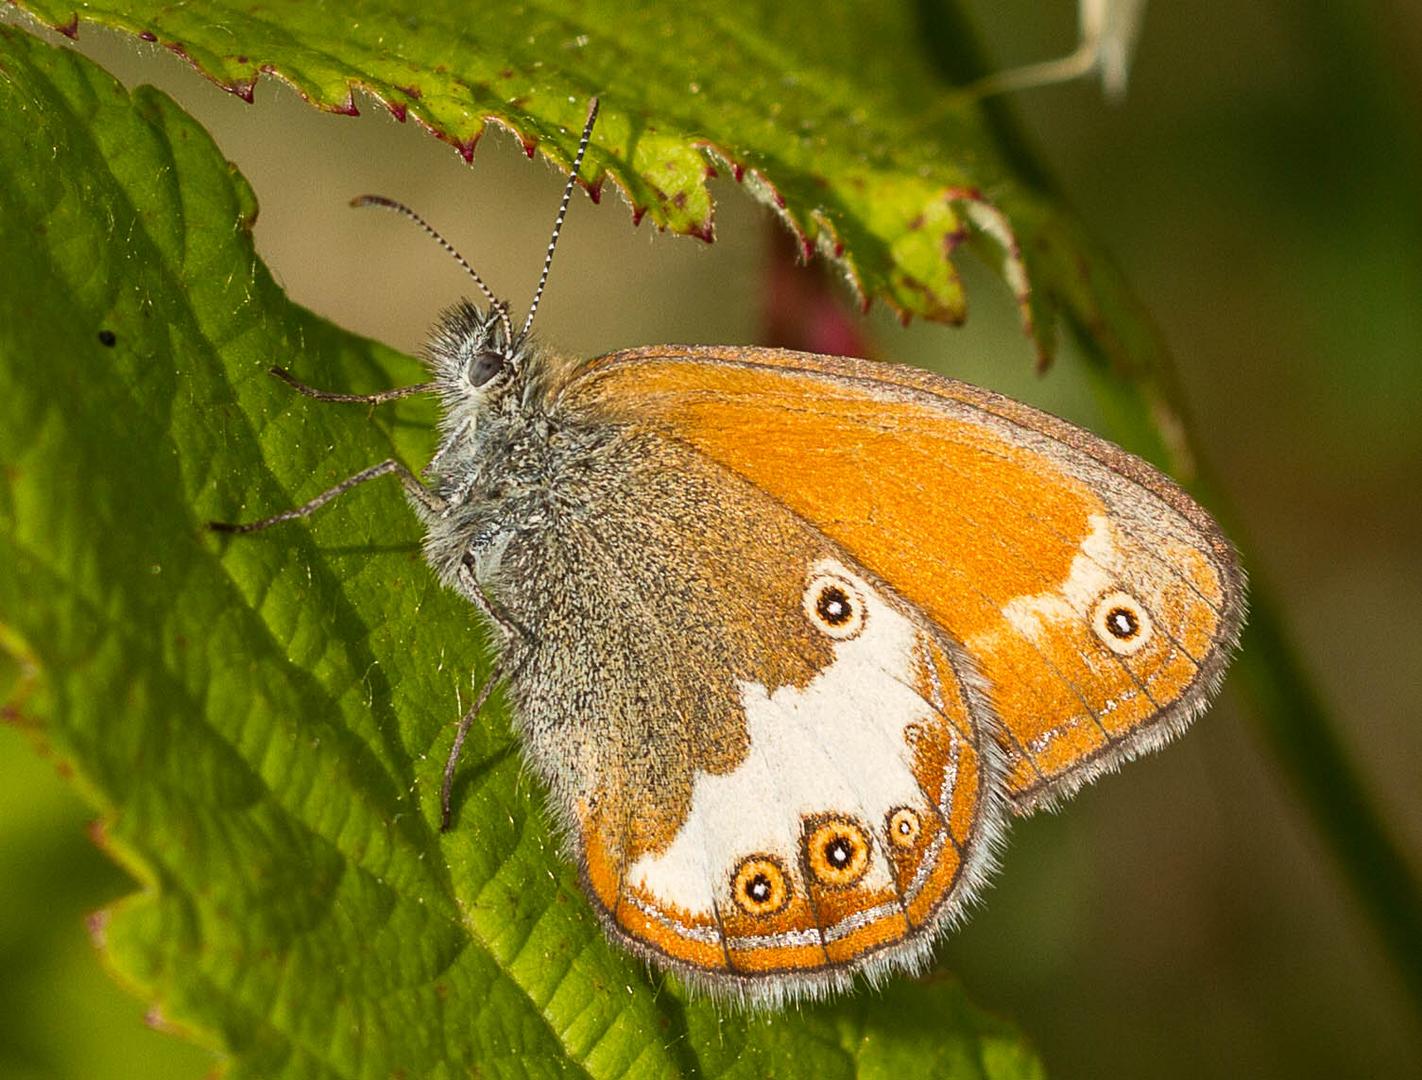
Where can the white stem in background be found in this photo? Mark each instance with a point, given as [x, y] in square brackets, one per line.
[1109, 30]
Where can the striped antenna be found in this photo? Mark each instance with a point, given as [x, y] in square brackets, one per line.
[495, 303]
[562, 213]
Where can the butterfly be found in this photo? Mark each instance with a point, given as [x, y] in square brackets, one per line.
[791, 638]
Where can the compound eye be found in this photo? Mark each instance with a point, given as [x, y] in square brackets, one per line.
[485, 368]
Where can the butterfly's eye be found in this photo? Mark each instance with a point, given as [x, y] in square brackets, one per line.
[837, 851]
[1122, 623]
[760, 886]
[904, 827]
[834, 605]
[485, 367]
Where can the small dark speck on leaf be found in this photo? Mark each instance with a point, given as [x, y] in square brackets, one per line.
[108, 338]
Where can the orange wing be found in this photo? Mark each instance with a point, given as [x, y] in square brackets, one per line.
[1099, 601]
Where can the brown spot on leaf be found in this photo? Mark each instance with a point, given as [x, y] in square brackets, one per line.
[154, 1019]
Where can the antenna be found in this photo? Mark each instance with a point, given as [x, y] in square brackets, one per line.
[562, 212]
[400, 208]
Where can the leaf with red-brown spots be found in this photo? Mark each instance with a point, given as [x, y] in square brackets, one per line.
[834, 115]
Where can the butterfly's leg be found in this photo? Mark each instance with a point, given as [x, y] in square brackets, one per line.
[421, 494]
[465, 723]
[514, 631]
[515, 634]
[359, 399]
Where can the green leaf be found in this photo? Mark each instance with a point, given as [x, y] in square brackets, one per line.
[262, 723]
[833, 115]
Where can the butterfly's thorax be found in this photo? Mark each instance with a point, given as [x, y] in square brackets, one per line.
[523, 474]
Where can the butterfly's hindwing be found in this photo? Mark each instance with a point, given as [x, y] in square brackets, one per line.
[775, 770]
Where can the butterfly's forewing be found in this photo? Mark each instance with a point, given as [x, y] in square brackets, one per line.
[1096, 598]
[774, 769]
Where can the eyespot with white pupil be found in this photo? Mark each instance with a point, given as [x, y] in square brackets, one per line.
[904, 827]
[837, 851]
[1122, 623]
[759, 886]
[834, 606]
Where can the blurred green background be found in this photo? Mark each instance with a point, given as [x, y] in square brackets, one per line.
[1261, 185]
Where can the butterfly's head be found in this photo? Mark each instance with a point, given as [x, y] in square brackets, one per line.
[475, 360]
